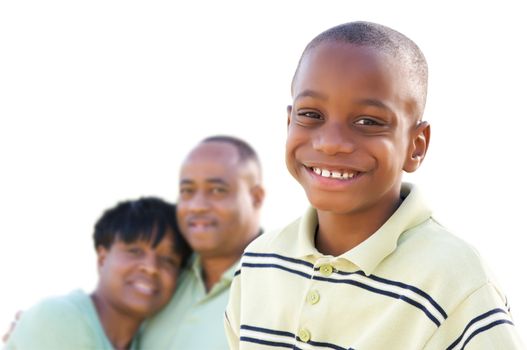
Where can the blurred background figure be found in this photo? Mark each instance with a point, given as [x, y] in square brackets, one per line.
[139, 254]
[220, 197]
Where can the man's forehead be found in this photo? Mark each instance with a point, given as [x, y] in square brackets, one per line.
[211, 162]
[213, 153]
[208, 168]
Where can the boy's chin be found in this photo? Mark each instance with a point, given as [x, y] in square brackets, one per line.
[333, 204]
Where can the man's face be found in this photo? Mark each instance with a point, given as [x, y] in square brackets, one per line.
[350, 130]
[136, 278]
[216, 209]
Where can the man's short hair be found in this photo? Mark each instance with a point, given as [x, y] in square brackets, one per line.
[245, 151]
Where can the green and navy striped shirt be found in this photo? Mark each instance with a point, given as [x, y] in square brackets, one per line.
[411, 285]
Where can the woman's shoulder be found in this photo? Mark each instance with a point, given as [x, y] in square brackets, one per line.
[55, 323]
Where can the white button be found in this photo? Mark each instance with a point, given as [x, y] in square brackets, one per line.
[326, 269]
[304, 335]
[313, 297]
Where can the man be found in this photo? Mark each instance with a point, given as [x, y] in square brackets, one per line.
[218, 209]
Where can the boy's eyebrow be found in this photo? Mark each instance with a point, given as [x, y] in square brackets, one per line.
[373, 102]
[311, 93]
[364, 101]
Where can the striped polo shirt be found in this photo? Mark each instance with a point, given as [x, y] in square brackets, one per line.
[411, 285]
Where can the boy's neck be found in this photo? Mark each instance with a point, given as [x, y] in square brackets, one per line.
[339, 233]
[119, 329]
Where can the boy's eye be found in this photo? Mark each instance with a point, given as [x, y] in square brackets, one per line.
[310, 114]
[367, 121]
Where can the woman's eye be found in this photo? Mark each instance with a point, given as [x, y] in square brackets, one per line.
[134, 251]
[169, 260]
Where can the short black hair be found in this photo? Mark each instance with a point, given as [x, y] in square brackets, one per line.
[385, 40]
[145, 219]
[245, 151]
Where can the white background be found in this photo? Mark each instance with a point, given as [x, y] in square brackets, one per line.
[101, 100]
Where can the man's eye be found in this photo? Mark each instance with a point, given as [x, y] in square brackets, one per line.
[185, 191]
[218, 190]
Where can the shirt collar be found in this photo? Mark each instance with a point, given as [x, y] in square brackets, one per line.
[195, 267]
[367, 255]
[226, 277]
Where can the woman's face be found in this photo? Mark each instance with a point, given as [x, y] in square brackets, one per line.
[136, 278]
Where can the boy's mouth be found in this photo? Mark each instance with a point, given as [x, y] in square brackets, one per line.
[334, 174]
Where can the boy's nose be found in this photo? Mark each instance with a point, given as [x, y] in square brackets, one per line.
[333, 139]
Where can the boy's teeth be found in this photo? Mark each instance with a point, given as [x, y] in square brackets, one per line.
[333, 174]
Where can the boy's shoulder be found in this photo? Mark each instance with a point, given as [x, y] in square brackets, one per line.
[280, 239]
[433, 245]
[439, 262]
[426, 253]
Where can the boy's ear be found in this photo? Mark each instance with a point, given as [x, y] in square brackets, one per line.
[102, 252]
[418, 146]
[258, 195]
[289, 109]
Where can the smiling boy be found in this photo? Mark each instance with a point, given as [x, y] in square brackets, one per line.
[367, 267]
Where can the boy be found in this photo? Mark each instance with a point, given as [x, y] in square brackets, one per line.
[139, 254]
[367, 267]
